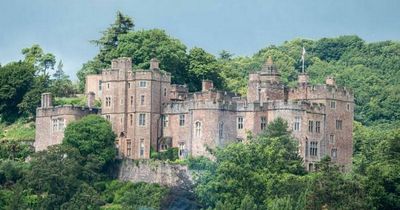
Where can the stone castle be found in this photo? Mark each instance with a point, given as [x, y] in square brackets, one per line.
[147, 111]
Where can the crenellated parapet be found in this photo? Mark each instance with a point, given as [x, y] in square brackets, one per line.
[66, 110]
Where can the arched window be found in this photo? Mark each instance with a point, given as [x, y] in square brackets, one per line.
[198, 128]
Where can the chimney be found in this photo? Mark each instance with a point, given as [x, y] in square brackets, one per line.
[330, 81]
[154, 64]
[46, 100]
[90, 99]
[207, 85]
[303, 78]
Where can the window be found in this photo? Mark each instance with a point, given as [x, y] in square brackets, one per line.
[263, 123]
[142, 119]
[122, 101]
[317, 127]
[338, 124]
[306, 148]
[131, 100]
[221, 130]
[165, 120]
[141, 148]
[348, 107]
[333, 104]
[108, 85]
[164, 147]
[313, 148]
[332, 139]
[142, 84]
[108, 101]
[198, 129]
[165, 91]
[182, 151]
[181, 120]
[131, 119]
[108, 117]
[128, 147]
[310, 126]
[142, 100]
[61, 124]
[297, 122]
[55, 124]
[240, 123]
[99, 84]
[334, 153]
[129, 85]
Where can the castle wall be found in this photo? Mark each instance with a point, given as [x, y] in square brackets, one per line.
[93, 84]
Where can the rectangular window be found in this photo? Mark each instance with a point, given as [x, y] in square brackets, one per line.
[142, 119]
[313, 148]
[108, 117]
[165, 91]
[334, 153]
[129, 85]
[332, 139]
[181, 149]
[181, 120]
[131, 100]
[306, 149]
[317, 127]
[297, 122]
[310, 126]
[240, 123]
[142, 100]
[348, 107]
[142, 84]
[108, 85]
[333, 104]
[141, 148]
[99, 84]
[108, 101]
[128, 147]
[338, 124]
[131, 119]
[122, 101]
[221, 130]
[165, 121]
[263, 123]
[61, 125]
[55, 125]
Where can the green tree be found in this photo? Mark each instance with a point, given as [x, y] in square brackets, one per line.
[93, 137]
[16, 79]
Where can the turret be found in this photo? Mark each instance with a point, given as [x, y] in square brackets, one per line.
[154, 64]
[269, 72]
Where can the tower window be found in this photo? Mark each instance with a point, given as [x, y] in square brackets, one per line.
[198, 129]
[165, 120]
[221, 130]
[165, 91]
[297, 122]
[142, 84]
[240, 123]
[313, 148]
[182, 120]
[338, 124]
[141, 148]
[263, 123]
[333, 104]
[108, 101]
[348, 107]
[129, 85]
[108, 85]
[99, 84]
[334, 153]
[142, 100]
[131, 100]
[332, 139]
[131, 119]
[317, 127]
[310, 126]
[142, 119]
[181, 149]
[128, 147]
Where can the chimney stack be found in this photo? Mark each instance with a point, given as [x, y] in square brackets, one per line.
[154, 64]
[90, 99]
[207, 85]
[46, 101]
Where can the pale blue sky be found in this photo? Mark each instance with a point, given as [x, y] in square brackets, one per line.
[241, 27]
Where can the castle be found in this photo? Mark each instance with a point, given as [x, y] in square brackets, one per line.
[147, 111]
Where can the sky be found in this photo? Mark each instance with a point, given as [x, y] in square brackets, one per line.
[65, 27]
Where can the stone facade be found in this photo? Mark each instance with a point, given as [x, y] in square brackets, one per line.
[147, 111]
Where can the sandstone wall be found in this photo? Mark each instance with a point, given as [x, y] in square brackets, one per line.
[152, 171]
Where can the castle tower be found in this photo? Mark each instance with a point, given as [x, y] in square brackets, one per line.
[265, 85]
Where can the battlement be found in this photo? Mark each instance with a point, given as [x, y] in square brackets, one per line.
[65, 110]
[212, 95]
[321, 92]
[178, 92]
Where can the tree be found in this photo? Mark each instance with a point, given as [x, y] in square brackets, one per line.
[16, 79]
[93, 137]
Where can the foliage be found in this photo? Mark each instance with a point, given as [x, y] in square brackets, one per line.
[170, 154]
[93, 137]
